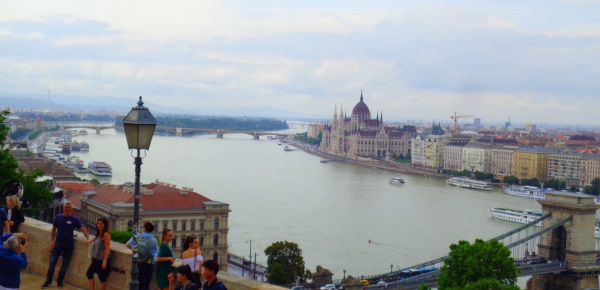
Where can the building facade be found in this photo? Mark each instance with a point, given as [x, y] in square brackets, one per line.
[433, 148]
[532, 162]
[476, 157]
[417, 146]
[361, 136]
[180, 209]
[590, 168]
[503, 160]
[453, 153]
[566, 166]
[314, 130]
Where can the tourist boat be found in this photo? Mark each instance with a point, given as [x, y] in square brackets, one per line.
[66, 148]
[100, 168]
[517, 216]
[396, 181]
[469, 183]
[287, 148]
[323, 161]
[526, 191]
[75, 146]
[84, 146]
[83, 132]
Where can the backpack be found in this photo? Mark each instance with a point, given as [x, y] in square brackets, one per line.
[224, 288]
[143, 246]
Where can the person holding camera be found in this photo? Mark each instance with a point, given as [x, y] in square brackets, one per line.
[12, 260]
[13, 213]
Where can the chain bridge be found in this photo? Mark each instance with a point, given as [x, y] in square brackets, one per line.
[179, 131]
[562, 253]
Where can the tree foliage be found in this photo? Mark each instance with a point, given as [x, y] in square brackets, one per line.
[37, 193]
[555, 184]
[511, 179]
[593, 188]
[468, 265]
[285, 262]
[531, 182]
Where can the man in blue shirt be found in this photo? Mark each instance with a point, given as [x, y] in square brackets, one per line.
[12, 260]
[145, 267]
[4, 227]
[211, 269]
[63, 243]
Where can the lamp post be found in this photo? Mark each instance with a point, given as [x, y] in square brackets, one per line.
[139, 125]
[344, 279]
[254, 276]
[391, 268]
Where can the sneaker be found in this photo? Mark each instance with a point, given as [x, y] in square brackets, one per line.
[46, 285]
[60, 285]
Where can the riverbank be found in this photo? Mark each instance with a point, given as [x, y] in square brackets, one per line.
[404, 168]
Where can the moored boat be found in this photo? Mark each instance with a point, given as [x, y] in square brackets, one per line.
[66, 148]
[286, 148]
[517, 216]
[83, 132]
[396, 181]
[75, 146]
[469, 183]
[526, 191]
[84, 146]
[100, 168]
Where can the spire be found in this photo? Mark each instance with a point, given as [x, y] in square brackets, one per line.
[381, 117]
[361, 95]
[377, 115]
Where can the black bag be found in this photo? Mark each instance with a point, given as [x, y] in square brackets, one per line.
[196, 279]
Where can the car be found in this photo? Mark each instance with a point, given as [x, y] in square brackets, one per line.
[328, 287]
[365, 282]
[381, 283]
[297, 288]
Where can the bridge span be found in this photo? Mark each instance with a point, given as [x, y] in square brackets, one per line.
[179, 131]
[561, 254]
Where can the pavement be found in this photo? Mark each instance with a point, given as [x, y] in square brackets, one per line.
[29, 282]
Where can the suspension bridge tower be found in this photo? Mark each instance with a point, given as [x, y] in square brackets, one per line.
[572, 242]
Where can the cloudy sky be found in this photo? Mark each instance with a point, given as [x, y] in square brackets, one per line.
[537, 61]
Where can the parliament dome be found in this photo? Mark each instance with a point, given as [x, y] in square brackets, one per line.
[361, 109]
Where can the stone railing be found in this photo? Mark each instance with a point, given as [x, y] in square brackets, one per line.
[38, 254]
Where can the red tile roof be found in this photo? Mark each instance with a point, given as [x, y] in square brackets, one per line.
[163, 197]
[75, 186]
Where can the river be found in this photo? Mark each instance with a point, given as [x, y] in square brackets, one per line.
[331, 210]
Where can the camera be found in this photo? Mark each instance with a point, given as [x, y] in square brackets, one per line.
[23, 241]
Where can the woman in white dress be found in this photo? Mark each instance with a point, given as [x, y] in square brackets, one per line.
[192, 256]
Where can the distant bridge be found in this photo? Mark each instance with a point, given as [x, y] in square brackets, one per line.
[563, 251]
[179, 131]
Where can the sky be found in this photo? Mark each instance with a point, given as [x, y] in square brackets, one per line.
[536, 61]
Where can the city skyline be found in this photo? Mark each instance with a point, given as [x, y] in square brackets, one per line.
[416, 60]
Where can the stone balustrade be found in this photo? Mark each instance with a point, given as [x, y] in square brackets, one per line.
[38, 254]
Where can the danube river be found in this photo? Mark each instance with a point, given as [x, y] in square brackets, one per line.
[331, 210]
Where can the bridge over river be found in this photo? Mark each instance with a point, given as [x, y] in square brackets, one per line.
[179, 131]
[561, 254]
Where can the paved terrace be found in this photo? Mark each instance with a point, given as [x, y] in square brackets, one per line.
[38, 254]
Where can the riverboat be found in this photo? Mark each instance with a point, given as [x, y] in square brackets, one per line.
[100, 168]
[286, 148]
[469, 183]
[396, 181]
[75, 146]
[526, 191]
[517, 216]
[66, 148]
[83, 132]
[84, 146]
[324, 161]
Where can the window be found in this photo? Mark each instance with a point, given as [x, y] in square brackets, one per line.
[174, 225]
[216, 223]
[155, 223]
[216, 240]
[182, 241]
[192, 225]
[201, 225]
[129, 224]
[165, 225]
[201, 239]
[215, 256]
[183, 225]
[174, 243]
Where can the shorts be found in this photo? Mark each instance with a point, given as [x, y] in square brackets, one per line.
[6, 288]
[96, 268]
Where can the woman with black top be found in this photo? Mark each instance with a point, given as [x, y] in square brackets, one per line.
[15, 217]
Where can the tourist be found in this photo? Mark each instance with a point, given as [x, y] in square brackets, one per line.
[147, 251]
[62, 243]
[4, 226]
[211, 269]
[100, 254]
[13, 213]
[192, 256]
[12, 260]
[184, 273]
[164, 260]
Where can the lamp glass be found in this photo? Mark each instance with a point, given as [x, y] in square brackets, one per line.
[139, 136]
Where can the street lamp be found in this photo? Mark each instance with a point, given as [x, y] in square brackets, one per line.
[391, 268]
[344, 279]
[139, 125]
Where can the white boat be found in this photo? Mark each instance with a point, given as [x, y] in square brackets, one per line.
[100, 168]
[83, 132]
[524, 217]
[469, 183]
[526, 191]
[287, 148]
[396, 181]
[84, 146]
[517, 216]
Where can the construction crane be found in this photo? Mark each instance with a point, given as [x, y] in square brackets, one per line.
[455, 117]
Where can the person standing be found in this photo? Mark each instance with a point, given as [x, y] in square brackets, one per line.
[164, 260]
[13, 213]
[146, 240]
[184, 274]
[12, 260]
[211, 269]
[192, 256]
[100, 254]
[62, 243]
[4, 226]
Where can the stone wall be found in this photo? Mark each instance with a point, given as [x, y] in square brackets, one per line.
[38, 254]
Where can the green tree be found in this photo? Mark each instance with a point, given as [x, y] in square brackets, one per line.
[468, 264]
[285, 262]
[511, 179]
[593, 188]
[37, 193]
